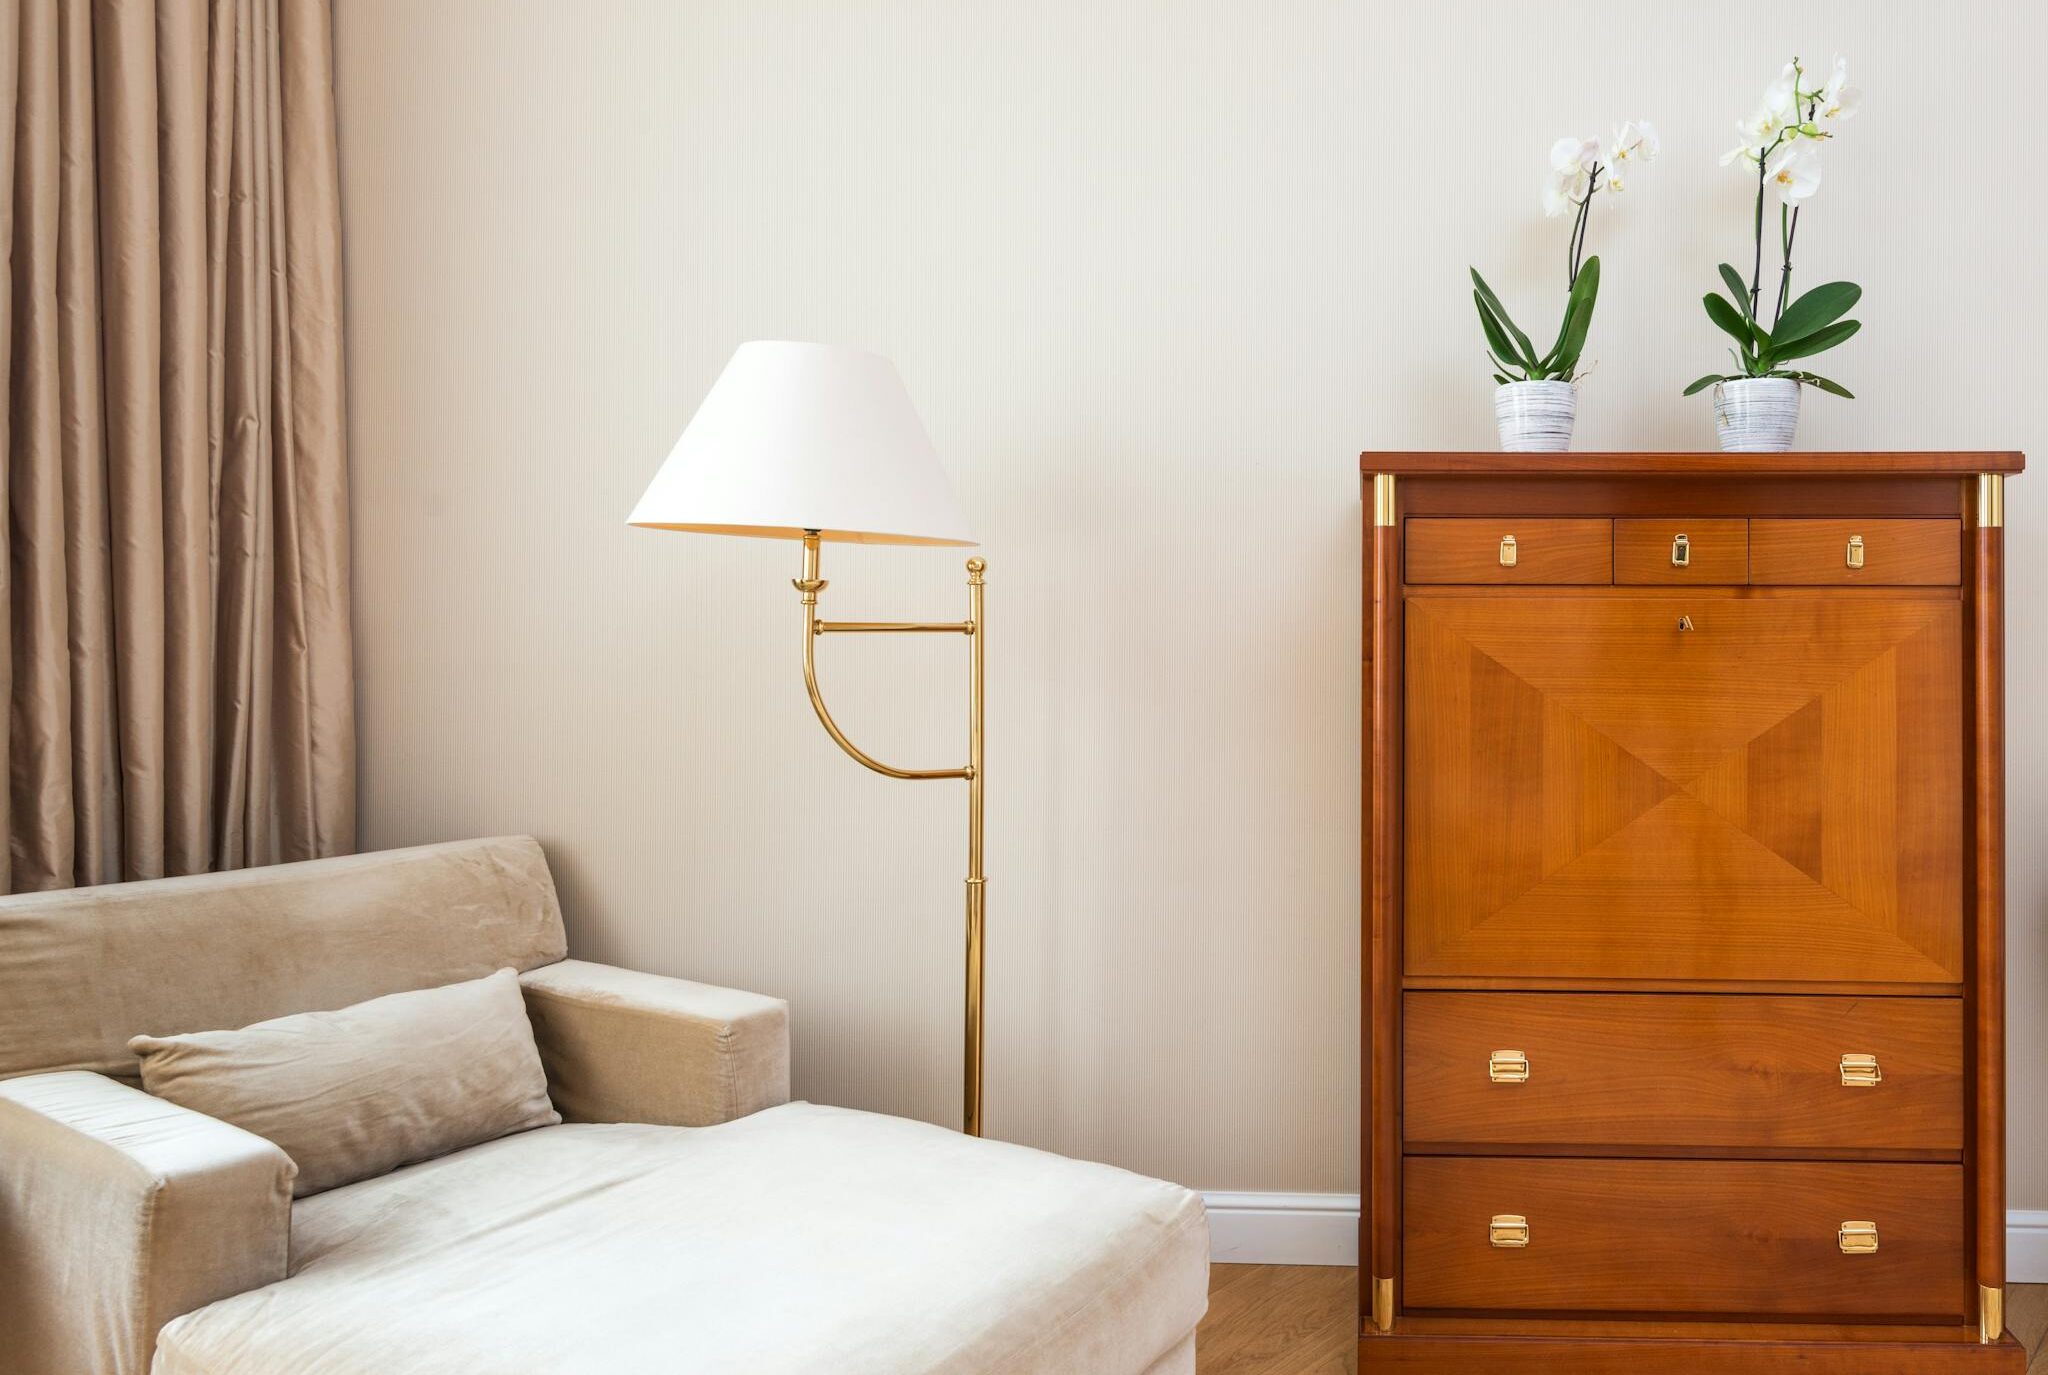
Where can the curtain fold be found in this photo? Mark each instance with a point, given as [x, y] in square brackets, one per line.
[177, 667]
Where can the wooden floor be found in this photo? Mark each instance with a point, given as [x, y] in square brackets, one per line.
[1302, 1320]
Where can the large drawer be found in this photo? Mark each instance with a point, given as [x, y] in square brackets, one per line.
[1688, 785]
[1613, 1073]
[1682, 1237]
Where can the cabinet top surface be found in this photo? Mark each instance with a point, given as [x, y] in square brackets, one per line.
[1895, 463]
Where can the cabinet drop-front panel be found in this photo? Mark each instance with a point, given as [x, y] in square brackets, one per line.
[1684, 786]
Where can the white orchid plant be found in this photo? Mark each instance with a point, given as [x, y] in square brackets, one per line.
[1782, 143]
[1577, 174]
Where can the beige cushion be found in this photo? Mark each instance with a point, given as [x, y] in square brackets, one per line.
[354, 1093]
[83, 969]
[793, 1241]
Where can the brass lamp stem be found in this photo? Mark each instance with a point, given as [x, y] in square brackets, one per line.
[810, 585]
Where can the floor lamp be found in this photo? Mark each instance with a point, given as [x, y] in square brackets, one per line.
[818, 443]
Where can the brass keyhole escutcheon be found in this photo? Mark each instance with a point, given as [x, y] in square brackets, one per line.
[1507, 551]
[1854, 556]
[1685, 623]
[1681, 552]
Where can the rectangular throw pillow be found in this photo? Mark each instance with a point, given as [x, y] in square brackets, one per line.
[354, 1093]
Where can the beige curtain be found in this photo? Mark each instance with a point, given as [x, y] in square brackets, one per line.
[177, 666]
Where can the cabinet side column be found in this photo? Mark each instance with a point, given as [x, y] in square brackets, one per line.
[1380, 1219]
[1987, 1022]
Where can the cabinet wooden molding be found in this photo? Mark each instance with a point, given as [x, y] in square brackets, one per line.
[1683, 917]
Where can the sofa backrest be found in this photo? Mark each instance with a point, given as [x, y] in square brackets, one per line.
[83, 969]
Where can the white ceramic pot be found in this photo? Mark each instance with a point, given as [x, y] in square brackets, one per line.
[1756, 415]
[1535, 417]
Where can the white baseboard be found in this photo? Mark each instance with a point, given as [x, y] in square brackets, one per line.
[1322, 1229]
[2026, 1246]
[1282, 1229]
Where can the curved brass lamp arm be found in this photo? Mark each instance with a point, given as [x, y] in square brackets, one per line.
[810, 585]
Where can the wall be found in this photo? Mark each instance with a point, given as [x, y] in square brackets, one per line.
[1154, 274]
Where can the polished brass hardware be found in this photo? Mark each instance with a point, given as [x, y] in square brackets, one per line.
[1382, 1304]
[1990, 1313]
[1507, 1067]
[1509, 1231]
[1681, 552]
[1382, 498]
[1685, 623]
[1857, 1238]
[1855, 554]
[1507, 551]
[1990, 500]
[810, 585]
[1861, 1072]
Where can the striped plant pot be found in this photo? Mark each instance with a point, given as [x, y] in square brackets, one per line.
[1756, 415]
[1535, 417]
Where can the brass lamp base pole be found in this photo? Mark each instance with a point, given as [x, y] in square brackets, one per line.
[810, 585]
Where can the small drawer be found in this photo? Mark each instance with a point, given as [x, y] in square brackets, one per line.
[1510, 551]
[1820, 1239]
[1714, 550]
[1884, 553]
[1608, 1073]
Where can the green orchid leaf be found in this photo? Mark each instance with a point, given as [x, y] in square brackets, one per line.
[1505, 367]
[1834, 388]
[1497, 342]
[1526, 350]
[1731, 321]
[1815, 310]
[1703, 383]
[1578, 319]
[1736, 288]
[1504, 381]
[1820, 341]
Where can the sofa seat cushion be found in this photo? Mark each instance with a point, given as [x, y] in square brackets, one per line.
[802, 1238]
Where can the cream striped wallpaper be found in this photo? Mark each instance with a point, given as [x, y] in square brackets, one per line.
[1154, 273]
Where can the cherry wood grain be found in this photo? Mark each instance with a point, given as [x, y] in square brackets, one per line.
[1987, 902]
[1546, 551]
[1615, 1072]
[1717, 550]
[1697, 464]
[1685, 1237]
[1931, 496]
[1380, 1209]
[1594, 792]
[1895, 552]
[1435, 1354]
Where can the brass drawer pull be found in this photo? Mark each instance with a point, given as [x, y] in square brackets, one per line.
[1507, 551]
[1681, 552]
[1510, 1232]
[1861, 1072]
[1857, 1238]
[1507, 1067]
[1854, 557]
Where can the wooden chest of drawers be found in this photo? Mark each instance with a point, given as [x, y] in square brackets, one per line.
[1683, 913]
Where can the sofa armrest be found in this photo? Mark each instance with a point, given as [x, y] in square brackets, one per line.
[119, 1212]
[622, 1046]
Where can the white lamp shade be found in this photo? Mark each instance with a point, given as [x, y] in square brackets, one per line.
[801, 437]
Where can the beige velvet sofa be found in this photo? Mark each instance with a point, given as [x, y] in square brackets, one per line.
[685, 1217]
